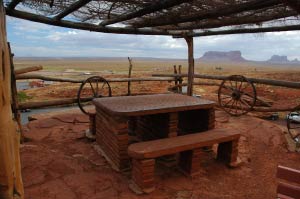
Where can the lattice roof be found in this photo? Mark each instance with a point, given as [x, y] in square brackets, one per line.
[165, 17]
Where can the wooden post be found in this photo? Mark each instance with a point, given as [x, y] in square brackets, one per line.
[176, 79]
[190, 43]
[180, 79]
[11, 186]
[129, 75]
[14, 94]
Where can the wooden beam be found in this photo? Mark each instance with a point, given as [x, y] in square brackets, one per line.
[154, 7]
[287, 84]
[294, 4]
[84, 26]
[243, 31]
[218, 12]
[57, 102]
[75, 6]
[190, 44]
[57, 79]
[13, 4]
[28, 69]
[232, 21]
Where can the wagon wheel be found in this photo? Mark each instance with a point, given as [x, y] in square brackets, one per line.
[92, 87]
[237, 95]
[294, 127]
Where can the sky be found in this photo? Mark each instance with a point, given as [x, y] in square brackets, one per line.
[30, 39]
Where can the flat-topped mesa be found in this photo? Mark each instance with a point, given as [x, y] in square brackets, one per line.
[217, 56]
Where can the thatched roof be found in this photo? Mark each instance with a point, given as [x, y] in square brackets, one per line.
[162, 17]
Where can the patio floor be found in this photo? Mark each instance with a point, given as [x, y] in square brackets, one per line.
[60, 163]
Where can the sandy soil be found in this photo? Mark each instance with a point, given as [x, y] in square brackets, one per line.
[59, 163]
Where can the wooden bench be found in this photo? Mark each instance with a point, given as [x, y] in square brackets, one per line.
[189, 146]
[289, 183]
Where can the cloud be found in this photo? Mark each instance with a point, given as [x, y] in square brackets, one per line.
[35, 39]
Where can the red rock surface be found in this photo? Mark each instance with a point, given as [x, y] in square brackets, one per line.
[59, 163]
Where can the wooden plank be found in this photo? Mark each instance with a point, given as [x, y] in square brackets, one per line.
[289, 190]
[167, 146]
[288, 174]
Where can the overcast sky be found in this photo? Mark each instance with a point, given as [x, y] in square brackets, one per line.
[29, 39]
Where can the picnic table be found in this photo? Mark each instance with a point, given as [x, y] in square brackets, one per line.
[126, 119]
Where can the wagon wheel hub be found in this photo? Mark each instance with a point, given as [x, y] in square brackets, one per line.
[236, 95]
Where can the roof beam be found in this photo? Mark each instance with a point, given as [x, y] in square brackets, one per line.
[84, 26]
[13, 4]
[242, 31]
[75, 6]
[157, 6]
[218, 12]
[294, 4]
[216, 23]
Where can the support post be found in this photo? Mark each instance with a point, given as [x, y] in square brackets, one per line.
[180, 80]
[190, 43]
[11, 186]
[129, 75]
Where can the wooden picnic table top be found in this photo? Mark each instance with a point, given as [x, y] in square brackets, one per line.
[151, 104]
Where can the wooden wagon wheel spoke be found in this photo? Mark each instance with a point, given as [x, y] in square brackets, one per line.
[90, 88]
[237, 87]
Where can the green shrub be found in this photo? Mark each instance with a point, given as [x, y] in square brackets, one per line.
[22, 96]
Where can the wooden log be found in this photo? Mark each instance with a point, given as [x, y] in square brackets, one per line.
[272, 82]
[14, 95]
[210, 14]
[13, 4]
[180, 79]
[73, 7]
[129, 76]
[155, 6]
[176, 79]
[28, 69]
[243, 31]
[41, 104]
[86, 26]
[11, 185]
[56, 79]
[190, 43]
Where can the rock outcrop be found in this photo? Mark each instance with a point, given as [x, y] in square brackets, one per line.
[216, 56]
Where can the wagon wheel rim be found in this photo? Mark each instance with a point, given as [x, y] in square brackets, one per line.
[294, 127]
[93, 87]
[237, 95]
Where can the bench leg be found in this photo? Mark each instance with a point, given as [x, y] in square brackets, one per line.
[143, 174]
[189, 161]
[228, 153]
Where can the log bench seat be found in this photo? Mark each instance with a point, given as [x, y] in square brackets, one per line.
[189, 147]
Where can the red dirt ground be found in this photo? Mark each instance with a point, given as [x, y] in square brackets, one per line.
[59, 163]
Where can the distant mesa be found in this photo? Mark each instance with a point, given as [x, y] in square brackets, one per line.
[277, 59]
[218, 56]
